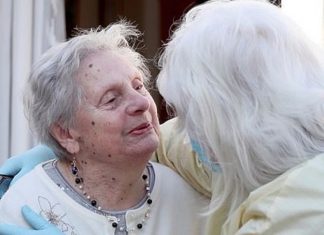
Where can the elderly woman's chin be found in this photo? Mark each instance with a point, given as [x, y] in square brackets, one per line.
[146, 144]
[145, 140]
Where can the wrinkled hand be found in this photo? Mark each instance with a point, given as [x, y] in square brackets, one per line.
[21, 164]
[39, 225]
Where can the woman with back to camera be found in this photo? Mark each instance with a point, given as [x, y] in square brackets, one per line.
[248, 88]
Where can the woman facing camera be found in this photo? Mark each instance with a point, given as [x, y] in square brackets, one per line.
[86, 99]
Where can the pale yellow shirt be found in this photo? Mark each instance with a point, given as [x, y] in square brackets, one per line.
[175, 152]
[292, 204]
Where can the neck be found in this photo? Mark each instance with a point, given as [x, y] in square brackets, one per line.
[114, 187]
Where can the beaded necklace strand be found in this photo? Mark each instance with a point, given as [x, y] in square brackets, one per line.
[79, 183]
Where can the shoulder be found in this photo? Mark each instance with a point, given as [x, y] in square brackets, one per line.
[301, 179]
[28, 182]
[175, 152]
[17, 196]
[292, 202]
[173, 140]
[170, 191]
[167, 180]
[168, 126]
[32, 182]
[164, 173]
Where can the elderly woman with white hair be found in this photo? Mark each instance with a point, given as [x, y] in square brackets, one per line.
[86, 99]
[247, 87]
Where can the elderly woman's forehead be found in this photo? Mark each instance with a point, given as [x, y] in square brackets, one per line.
[97, 66]
[106, 58]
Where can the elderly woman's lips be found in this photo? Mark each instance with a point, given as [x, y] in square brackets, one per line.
[141, 129]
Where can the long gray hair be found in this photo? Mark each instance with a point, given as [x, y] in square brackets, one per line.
[249, 87]
[53, 95]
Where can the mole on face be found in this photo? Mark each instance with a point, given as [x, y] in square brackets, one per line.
[90, 65]
[109, 155]
[80, 139]
[93, 123]
[113, 179]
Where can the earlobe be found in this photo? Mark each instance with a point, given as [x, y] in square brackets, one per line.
[66, 138]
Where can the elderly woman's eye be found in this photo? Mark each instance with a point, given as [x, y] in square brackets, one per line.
[139, 87]
[111, 100]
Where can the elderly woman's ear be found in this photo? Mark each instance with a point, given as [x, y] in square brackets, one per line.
[67, 138]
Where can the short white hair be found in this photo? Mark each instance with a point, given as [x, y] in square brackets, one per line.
[52, 92]
[249, 86]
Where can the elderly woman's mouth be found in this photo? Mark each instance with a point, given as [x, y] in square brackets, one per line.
[142, 128]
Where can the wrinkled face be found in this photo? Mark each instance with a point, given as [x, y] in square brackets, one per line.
[119, 116]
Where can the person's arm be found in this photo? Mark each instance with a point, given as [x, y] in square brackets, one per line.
[290, 204]
[39, 225]
[19, 165]
[175, 151]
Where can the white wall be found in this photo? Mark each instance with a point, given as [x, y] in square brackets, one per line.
[309, 14]
[27, 29]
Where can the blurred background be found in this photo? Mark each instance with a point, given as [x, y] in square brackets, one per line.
[29, 27]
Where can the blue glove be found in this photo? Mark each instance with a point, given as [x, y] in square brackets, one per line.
[23, 163]
[39, 225]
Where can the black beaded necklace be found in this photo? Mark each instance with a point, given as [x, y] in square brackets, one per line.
[113, 220]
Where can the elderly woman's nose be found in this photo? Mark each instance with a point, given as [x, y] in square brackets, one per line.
[138, 103]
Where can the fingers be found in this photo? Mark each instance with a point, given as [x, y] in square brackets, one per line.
[19, 165]
[39, 225]
[33, 219]
[10, 167]
[21, 172]
[7, 229]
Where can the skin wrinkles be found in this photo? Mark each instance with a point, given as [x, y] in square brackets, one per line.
[118, 125]
[106, 95]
